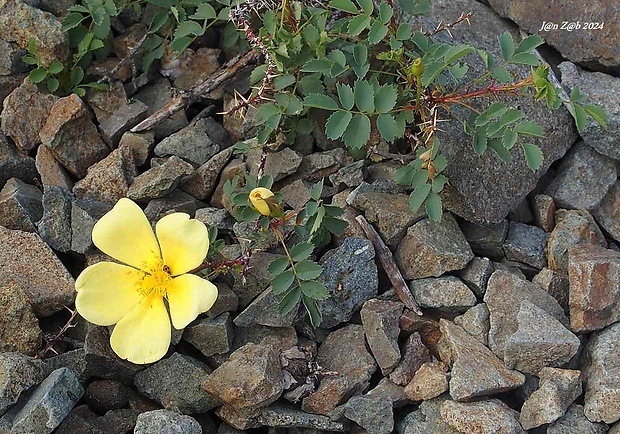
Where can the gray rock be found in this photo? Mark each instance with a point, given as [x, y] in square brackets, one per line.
[19, 328]
[540, 341]
[607, 214]
[280, 338]
[415, 354]
[84, 214]
[73, 360]
[83, 420]
[140, 145]
[250, 380]
[475, 370]
[320, 165]
[505, 291]
[176, 383]
[488, 417]
[156, 95]
[583, 179]
[55, 225]
[123, 119]
[14, 164]
[51, 171]
[235, 167]
[447, 294]
[28, 263]
[24, 113]
[427, 419]
[476, 322]
[20, 205]
[264, 311]
[350, 275]
[72, 137]
[211, 335]
[476, 275]
[544, 212]
[430, 381]
[371, 412]
[594, 279]
[105, 102]
[43, 410]
[102, 362]
[277, 164]
[105, 395]
[176, 201]
[256, 280]
[350, 175]
[343, 351]
[216, 218]
[521, 213]
[392, 391]
[485, 189]
[572, 227]
[432, 249]
[201, 184]
[296, 194]
[159, 181]
[557, 391]
[526, 244]
[601, 375]
[486, 239]
[555, 284]
[602, 90]
[575, 422]
[381, 326]
[19, 374]
[166, 422]
[193, 143]
[11, 61]
[284, 416]
[227, 301]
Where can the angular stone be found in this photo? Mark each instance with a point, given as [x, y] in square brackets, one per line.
[28, 263]
[476, 322]
[102, 362]
[176, 201]
[140, 145]
[20, 206]
[46, 407]
[296, 194]
[486, 240]
[350, 175]
[427, 419]
[250, 380]
[544, 212]
[350, 275]
[488, 417]
[156, 95]
[476, 275]
[256, 280]
[18, 373]
[84, 214]
[526, 244]
[82, 420]
[51, 171]
[583, 179]
[72, 137]
[448, 294]
[430, 381]
[211, 335]
[124, 118]
[166, 422]
[432, 249]
[233, 168]
[505, 291]
[392, 391]
[601, 375]
[380, 320]
[227, 301]
[575, 422]
[284, 416]
[277, 164]
[343, 351]
[104, 103]
[105, 395]
[24, 113]
[175, 383]
[159, 181]
[415, 354]
[594, 278]
[14, 164]
[475, 370]
[555, 284]
[540, 341]
[320, 165]
[55, 225]
[201, 184]
[557, 391]
[572, 227]
[371, 412]
[411, 322]
[264, 311]
[216, 218]
[608, 213]
[280, 338]
[19, 328]
[73, 360]
[11, 61]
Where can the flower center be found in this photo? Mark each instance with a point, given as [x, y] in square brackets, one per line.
[154, 279]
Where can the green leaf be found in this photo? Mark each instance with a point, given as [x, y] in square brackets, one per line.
[304, 126]
[386, 97]
[385, 13]
[29, 59]
[345, 95]
[529, 43]
[495, 110]
[344, 5]
[282, 282]
[358, 24]
[511, 116]
[204, 12]
[308, 270]
[502, 75]
[403, 32]
[388, 128]
[338, 57]
[596, 113]
[458, 71]
[360, 54]
[438, 183]
[507, 45]
[528, 128]
[366, 6]
[181, 44]
[159, 20]
[500, 151]
[415, 7]
[456, 52]
[480, 141]
[79, 92]
[265, 112]
[76, 76]
[525, 59]
[337, 123]
[364, 95]
[301, 251]
[55, 67]
[533, 156]
[283, 81]
[509, 139]
[581, 117]
[334, 225]
[258, 74]
[314, 290]
[289, 301]
[418, 196]
[317, 189]
[96, 44]
[72, 20]
[321, 101]
[313, 311]
[377, 32]
[434, 209]
[37, 75]
[53, 84]
[188, 28]
[493, 128]
[440, 162]
[431, 71]
[277, 266]
[318, 65]
[357, 133]
[577, 96]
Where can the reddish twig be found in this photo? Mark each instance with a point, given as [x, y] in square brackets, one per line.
[69, 324]
[442, 27]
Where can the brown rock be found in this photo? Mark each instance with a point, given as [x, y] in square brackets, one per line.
[608, 213]
[202, 64]
[488, 417]
[380, 320]
[20, 205]
[430, 381]
[105, 102]
[555, 284]
[415, 354]
[19, 328]
[203, 181]
[51, 171]
[544, 211]
[140, 145]
[232, 169]
[18, 374]
[160, 180]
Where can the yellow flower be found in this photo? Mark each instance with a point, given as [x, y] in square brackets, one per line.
[265, 202]
[132, 295]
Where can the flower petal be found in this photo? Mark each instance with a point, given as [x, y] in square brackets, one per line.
[106, 292]
[124, 233]
[184, 242]
[188, 297]
[143, 335]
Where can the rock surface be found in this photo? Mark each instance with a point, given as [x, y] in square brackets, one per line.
[381, 326]
[448, 294]
[166, 422]
[490, 416]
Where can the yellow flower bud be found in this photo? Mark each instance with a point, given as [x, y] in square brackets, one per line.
[417, 68]
[264, 201]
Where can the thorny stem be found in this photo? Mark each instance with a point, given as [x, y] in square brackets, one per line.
[455, 98]
[69, 324]
[442, 27]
